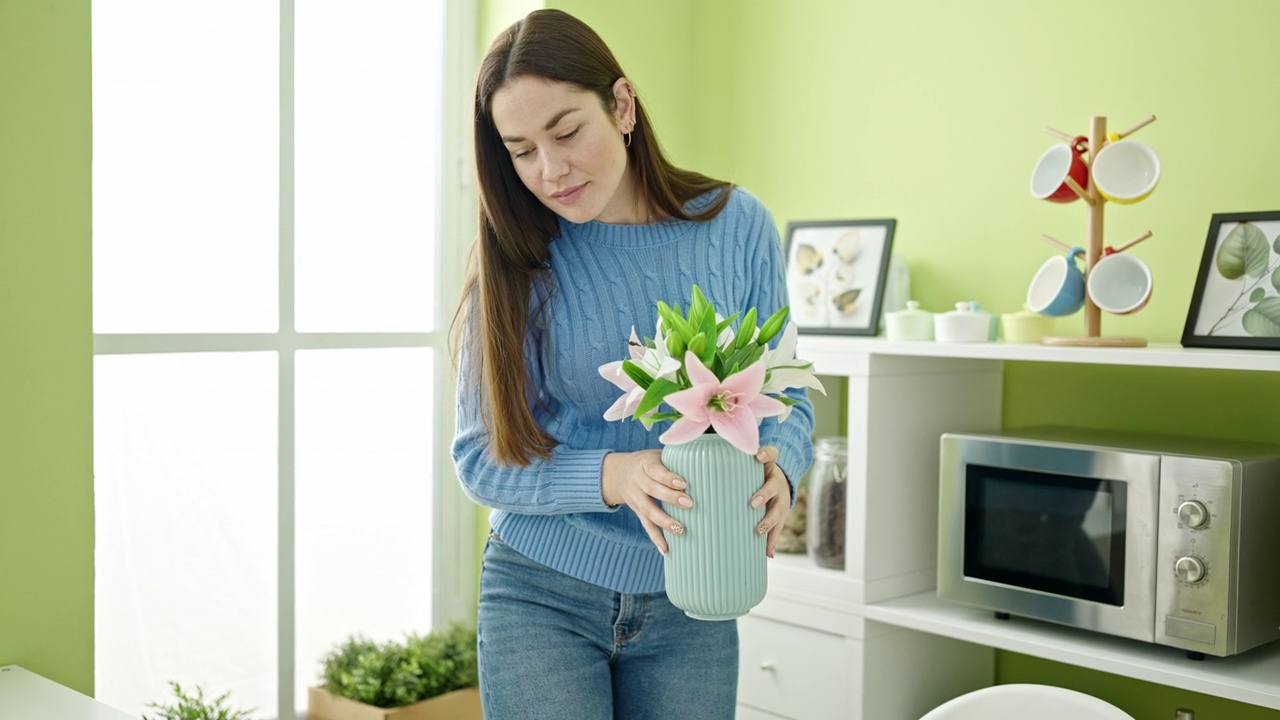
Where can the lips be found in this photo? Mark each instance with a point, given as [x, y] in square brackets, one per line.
[567, 197]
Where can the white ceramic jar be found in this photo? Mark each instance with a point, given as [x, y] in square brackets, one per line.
[911, 323]
[962, 325]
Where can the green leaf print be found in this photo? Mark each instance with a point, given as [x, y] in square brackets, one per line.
[1243, 252]
[1263, 320]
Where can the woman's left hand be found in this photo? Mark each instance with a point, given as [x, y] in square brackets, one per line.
[774, 494]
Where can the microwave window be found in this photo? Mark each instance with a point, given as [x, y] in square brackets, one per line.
[1060, 534]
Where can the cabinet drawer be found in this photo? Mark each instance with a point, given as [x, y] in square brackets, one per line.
[792, 671]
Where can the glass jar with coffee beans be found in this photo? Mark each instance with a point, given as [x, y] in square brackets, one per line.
[827, 492]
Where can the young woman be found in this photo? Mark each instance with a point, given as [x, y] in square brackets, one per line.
[584, 226]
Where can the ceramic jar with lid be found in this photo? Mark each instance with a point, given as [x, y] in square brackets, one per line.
[993, 322]
[910, 323]
[827, 506]
[1026, 326]
[963, 324]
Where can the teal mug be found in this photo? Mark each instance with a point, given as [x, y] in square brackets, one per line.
[1058, 287]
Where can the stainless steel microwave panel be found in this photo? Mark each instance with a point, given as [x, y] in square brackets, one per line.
[1134, 617]
[1218, 591]
[1194, 577]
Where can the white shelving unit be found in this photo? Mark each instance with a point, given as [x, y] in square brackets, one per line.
[883, 645]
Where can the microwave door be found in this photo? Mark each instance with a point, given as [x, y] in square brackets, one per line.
[1055, 533]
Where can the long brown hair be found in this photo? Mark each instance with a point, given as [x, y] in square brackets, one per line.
[515, 228]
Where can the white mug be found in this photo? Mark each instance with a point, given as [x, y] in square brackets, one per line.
[1119, 284]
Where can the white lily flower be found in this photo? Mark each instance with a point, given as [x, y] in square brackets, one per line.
[725, 340]
[785, 371]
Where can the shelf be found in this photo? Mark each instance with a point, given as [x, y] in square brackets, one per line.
[1249, 677]
[830, 355]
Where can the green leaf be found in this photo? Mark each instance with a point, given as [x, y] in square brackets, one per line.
[746, 329]
[1263, 319]
[668, 315]
[636, 373]
[680, 325]
[707, 324]
[1257, 294]
[720, 326]
[1275, 276]
[744, 357]
[773, 325]
[1243, 252]
[654, 396]
[709, 349]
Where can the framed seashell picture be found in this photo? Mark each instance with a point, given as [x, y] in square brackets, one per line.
[836, 274]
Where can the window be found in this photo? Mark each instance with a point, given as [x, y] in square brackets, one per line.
[272, 183]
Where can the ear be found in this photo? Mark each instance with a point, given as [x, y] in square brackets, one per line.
[624, 100]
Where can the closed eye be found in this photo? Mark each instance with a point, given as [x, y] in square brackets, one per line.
[569, 135]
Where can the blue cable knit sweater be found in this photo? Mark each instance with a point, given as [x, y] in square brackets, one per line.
[604, 280]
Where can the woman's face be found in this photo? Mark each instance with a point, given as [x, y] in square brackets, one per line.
[567, 150]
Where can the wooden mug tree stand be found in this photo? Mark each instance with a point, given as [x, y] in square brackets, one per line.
[1093, 252]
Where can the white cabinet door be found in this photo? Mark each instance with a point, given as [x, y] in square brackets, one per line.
[795, 672]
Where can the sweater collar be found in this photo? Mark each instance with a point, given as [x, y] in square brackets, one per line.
[651, 234]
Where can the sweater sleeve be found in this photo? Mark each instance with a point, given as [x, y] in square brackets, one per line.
[567, 482]
[767, 293]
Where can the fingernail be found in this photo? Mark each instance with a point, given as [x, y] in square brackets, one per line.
[662, 552]
[684, 502]
[679, 484]
[677, 528]
[762, 530]
[757, 501]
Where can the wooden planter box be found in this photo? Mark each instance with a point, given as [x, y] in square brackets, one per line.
[457, 705]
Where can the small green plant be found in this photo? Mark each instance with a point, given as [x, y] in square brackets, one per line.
[195, 707]
[395, 674]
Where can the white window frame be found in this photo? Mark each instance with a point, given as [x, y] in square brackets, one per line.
[454, 554]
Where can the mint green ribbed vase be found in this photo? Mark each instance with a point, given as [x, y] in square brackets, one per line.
[716, 569]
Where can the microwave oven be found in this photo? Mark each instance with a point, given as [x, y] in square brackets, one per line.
[1169, 540]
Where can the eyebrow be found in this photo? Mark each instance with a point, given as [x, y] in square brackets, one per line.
[555, 120]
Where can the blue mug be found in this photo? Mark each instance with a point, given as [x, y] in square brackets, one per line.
[1058, 286]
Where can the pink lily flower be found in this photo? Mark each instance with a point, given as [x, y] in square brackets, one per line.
[734, 406]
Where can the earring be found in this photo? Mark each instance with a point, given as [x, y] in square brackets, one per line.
[628, 140]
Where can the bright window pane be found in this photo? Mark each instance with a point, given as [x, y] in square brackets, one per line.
[185, 157]
[367, 128]
[185, 467]
[364, 498]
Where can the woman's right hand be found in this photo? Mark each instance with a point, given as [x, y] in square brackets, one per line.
[638, 478]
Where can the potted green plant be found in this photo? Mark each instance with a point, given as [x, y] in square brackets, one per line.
[195, 707]
[425, 677]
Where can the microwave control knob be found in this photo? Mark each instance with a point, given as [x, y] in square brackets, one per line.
[1193, 514]
[1190, 569]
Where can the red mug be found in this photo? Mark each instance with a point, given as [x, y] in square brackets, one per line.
[1062, 161]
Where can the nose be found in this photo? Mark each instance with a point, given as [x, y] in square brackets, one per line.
[554, 165]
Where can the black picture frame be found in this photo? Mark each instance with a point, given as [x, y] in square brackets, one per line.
[836, 274]
[1236, 302]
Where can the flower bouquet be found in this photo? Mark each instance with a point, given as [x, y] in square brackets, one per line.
[724, 379]
[717, 384]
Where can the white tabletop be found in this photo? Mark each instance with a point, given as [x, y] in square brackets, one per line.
[25, 695]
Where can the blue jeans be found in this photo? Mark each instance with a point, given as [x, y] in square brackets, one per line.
[555, 647]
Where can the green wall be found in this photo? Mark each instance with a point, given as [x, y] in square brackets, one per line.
[934, 113]
[46, 467]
